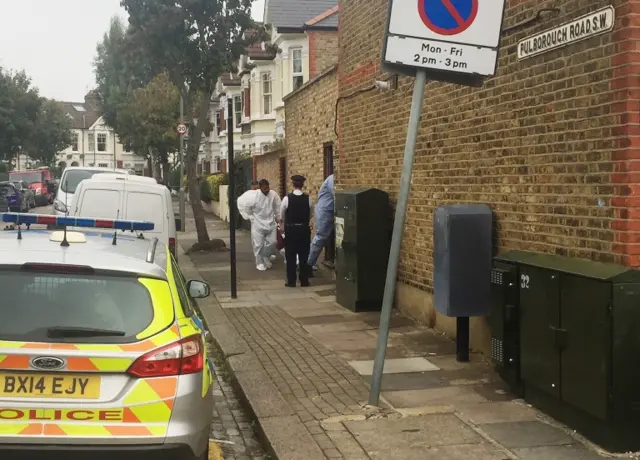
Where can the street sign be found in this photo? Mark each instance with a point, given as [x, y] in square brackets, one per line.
[444, 36]
[182, 129]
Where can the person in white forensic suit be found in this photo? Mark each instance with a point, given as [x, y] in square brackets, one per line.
[261, 207]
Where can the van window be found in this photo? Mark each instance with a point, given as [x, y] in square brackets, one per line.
[72, 178]
[100, 203]
[147, 207]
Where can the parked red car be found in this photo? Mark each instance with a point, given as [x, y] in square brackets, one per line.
[40, 181]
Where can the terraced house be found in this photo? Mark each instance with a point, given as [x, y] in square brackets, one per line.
[303, 42]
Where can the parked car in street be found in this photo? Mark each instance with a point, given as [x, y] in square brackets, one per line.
[71, 177]
[4, 204]
[38, 180]
[104, 351]
[17, 201]
[24, 189]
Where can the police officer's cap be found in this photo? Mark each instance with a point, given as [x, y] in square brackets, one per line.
[298, 178]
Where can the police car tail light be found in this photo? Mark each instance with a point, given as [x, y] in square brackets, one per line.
[172, 246]
[179, 358]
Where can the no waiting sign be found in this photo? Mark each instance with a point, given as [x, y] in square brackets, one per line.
[460, 36]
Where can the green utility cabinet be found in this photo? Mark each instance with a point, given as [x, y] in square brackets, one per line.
[579, 333]
[363, 237]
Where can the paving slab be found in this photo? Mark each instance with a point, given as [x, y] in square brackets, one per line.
[395, 366]
[527, 434]
[290, 295]
[347, 326]
[444, 396]
[412, 381]
[241, 304]
[245, 362]
[262, 395]
[228, 339]
[304, 311]
[498, 412]
[324, 319]
[289, 439]
[568, 452]
[399, 435]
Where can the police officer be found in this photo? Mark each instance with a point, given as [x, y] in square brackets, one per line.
[295, 213]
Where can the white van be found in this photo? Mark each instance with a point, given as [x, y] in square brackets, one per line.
[129, 197]
[71, 178]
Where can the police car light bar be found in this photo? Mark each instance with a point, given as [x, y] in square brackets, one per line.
[83, 222]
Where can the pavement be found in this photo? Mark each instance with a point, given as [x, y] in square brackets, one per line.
[302, 366]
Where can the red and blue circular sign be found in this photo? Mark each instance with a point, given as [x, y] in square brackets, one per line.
[448, 17]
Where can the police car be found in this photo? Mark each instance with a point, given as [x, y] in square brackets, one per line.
[101, 350]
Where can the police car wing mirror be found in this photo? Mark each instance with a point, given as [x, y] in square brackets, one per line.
[198, 289]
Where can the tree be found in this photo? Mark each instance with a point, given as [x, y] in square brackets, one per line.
[19, 108]
[149, 121]
[195, 41]
[51, 133]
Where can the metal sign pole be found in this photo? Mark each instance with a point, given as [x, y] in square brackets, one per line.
[398, 230]
[183, 224]
[232, 199]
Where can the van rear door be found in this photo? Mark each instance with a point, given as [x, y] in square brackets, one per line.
[102, 202]
[147, 206]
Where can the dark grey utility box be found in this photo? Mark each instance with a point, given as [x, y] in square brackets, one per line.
[462, 259]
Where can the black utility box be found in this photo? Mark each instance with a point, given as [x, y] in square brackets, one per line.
[363, 237]
[504, 322]
[580, 344]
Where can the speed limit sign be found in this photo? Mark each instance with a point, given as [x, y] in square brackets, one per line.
[182, 129]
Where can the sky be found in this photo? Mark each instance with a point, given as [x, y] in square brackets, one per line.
[54, 41]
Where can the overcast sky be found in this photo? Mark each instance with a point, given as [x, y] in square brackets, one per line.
[54, 41]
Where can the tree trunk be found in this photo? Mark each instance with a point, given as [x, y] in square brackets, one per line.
[166, 171]
[157, 171]
[192, 174]
[150, 165]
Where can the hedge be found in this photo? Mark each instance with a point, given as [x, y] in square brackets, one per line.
[214, 182]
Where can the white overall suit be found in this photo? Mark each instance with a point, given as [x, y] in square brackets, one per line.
[261, 210]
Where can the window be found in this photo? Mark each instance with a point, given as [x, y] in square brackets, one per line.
[71, 179]
[42, 304]
[102, 142]
[91, 140]
[103, 165]
[127, 147]
[218, 123]
[237, 110]
[296, 61]
[266, 93]
[75, 140]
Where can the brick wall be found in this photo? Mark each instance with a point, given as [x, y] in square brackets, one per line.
[310, 114]
[550, 143]
[267, 166]
[323, 51]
